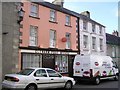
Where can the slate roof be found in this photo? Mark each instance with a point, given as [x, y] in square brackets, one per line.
[67, 11]
[112, 39]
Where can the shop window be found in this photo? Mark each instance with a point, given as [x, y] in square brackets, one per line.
[61, 63]
[31, 60]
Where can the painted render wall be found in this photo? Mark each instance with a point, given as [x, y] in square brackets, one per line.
[44, 27]
[90, 35]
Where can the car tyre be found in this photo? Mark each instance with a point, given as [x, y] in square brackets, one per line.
[31, 87]
[97, 80]
[116, 77]
[68, 85]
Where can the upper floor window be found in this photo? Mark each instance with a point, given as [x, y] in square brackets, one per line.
[52, 15]
[113, 51]
[93, 28]
[68, 42]
[52, 38]
[33, 39]
[101, 44]
[85, 41]
[84, 25]
[34, 10]
[100, 30]
[68, 21]
[93, 43]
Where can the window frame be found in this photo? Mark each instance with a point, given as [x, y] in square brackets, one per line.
[85, 25]
[68, 42]
[34, 13]
[101, 44]
[85, 41]
[61, 63]
[52, 40]
[54, 17]
[93, 28]
[68, 20]
[33, 35]
[93, 43]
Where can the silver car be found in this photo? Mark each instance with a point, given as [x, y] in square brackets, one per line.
[34, 78]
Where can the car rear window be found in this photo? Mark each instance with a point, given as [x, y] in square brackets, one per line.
[25, 72]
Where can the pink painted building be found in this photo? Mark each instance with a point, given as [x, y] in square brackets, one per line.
[48, 37]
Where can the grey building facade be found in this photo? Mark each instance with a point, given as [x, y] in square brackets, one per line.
[9, 38]
[113, 47]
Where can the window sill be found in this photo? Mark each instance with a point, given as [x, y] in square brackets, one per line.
[85, 49]
[34, 17]
[68, 25]
[94, 50]
[100, 34]
[85, 31]
[53, 22]
[93, 33]
[101, 51]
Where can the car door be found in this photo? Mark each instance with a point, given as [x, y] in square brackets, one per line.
[56, 80]
[42, 78]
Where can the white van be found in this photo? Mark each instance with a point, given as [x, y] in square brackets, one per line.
[94, 68]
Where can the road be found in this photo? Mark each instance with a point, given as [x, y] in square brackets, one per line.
[104, 85]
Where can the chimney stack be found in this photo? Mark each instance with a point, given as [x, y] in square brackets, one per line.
[115, 33]
[86, 13]
[58, 2]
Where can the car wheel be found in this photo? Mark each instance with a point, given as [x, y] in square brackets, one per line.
[68, 85]
[116, 78]
[97, 80]
[31, 87]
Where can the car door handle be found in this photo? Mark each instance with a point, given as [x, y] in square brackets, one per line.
[52, 79]
[37, 79]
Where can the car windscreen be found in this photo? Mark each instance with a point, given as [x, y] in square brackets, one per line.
[25, 72]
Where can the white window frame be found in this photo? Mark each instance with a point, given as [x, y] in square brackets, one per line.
[68, 20]
[61, 63]
[100, 30]
[85, 41]
[52, 43]
[93, 28]
[93, 43]
[31, 60]
[85, 24]
[33, 38]
[34, 10]
[68, 42]
[101, 44]
[53, 15]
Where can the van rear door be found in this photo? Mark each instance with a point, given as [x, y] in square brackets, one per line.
[81, 66]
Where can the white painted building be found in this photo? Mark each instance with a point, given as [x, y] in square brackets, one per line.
[92, 36]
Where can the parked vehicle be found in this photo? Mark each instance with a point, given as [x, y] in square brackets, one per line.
[94, 68]
[34, 78]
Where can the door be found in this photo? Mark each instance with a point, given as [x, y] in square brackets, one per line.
[42, 79]
[56, 80]
[48, 61]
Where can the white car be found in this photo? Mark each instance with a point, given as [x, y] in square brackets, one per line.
[34, 78]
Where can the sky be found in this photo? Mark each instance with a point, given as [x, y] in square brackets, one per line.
[104, 12]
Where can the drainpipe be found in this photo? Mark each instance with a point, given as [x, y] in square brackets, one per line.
[78, 35]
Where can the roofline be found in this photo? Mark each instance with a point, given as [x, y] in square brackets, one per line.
[72, 13]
